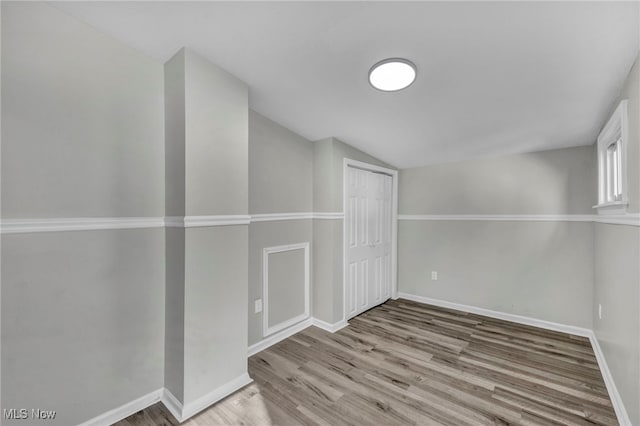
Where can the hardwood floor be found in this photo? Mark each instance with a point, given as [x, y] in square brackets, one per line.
[408, 363]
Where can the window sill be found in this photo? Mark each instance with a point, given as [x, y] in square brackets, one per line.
[614, 207]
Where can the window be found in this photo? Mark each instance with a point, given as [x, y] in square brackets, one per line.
[612, 163]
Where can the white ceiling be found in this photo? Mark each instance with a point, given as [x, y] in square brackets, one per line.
[493, 78]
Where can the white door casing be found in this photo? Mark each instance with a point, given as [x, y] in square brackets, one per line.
[368, 239]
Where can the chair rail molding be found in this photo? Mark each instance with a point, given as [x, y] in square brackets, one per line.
[632, 219]
[19, 226]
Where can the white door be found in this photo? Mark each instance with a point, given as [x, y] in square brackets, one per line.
[368, 227]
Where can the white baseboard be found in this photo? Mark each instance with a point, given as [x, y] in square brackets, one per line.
[214, 396]
[614, 395]
[616, 400]
[175, 407]
[548, 325]
[183, 412]
[172, 403]
[281, 335]
[125, 410]
[331, 328]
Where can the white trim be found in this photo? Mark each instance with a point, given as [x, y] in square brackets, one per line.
[632, 219]
[266, 329]
[125, 410]
[270, 217]
[616, 127]
[548, 325]
[284, 334]
[18, 226]
[174, 221]
[346, 163]
[214, 396]
[616, 208]
[331, 328]
[621, 219]
[328, 215]
[218, 220]
[614, 395]
[277, 337]
[172, 403]
[205, 221]
[502, 217]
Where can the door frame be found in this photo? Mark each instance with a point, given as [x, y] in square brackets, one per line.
[348, 162]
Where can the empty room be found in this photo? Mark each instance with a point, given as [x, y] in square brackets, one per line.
[319, 213]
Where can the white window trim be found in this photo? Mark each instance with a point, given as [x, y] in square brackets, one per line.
[616, 128]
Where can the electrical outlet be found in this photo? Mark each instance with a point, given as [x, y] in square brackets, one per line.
[258, 306]
[599, 311]
[434, 275]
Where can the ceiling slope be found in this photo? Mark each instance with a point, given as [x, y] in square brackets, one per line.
[493, 78]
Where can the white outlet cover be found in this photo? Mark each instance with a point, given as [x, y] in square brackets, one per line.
[434, 275]
[258, 306]
[599, 311]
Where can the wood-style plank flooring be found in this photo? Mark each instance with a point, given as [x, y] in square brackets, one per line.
[406, 363]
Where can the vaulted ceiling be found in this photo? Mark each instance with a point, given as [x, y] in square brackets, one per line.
[493, 77]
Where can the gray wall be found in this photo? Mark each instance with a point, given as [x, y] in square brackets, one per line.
[82, 312]
[175, 133]
[280, 168]
[285, 293]
[280, 181]
[617, 289]
[617, 274]
[329, 155]
[82, 137]
[216, 153]
[174, 311]
[560, 181]
[215, 299]
[206, 267]
[538, 269]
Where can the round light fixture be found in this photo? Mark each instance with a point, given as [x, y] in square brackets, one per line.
[393, 74]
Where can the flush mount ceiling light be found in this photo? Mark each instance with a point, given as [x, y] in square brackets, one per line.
[393, 74]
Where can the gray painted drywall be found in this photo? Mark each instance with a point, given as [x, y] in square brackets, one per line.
[617, 289]
[216, 152]
[206, 267]
[174, 124]
[323, 178]
[631, 92]
[215, 337]
[560, 181]
[329, 155]
[280, 181]
[341, 151]
[286, 285]
[617, 274]
[271, 234]
[82, 312]
[327, 172]
[174, 312]
[536, 269]
[81, 136]
[175, 134]
[280, 168]
[323, 264]
[82, 316]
